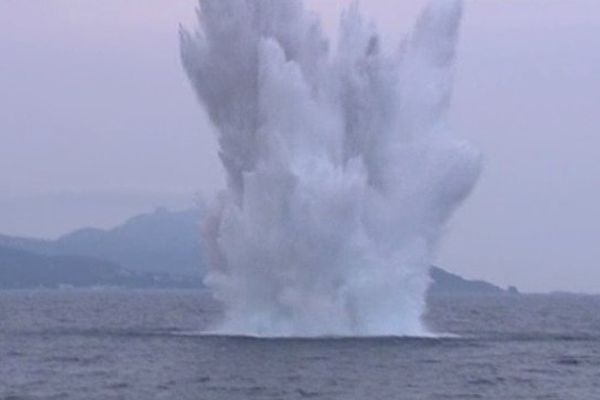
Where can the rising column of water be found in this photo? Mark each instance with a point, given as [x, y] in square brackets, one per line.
[341, 170]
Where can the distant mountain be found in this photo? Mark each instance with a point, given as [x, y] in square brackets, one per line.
[20, 269]
[159, 249]
[27, 244]
[54, 212]
[160, 242]
[446, 283]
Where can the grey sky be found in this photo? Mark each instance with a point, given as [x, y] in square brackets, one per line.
[94, 104]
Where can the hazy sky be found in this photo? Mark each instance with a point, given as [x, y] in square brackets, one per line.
[97, 122]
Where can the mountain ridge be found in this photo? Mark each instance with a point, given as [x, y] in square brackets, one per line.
[159, 249]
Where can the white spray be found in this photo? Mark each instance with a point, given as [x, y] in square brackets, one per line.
[341, 169]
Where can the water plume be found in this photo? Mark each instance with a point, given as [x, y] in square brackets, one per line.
[341, 169]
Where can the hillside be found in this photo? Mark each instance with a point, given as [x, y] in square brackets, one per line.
[163, 241]
[446, 283]
[160, 242]
[27, 244]
[20, 269]
[159, 249]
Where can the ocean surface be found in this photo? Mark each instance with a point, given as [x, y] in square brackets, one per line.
[142, 345]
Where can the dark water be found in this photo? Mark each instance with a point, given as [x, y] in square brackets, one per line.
[132, 345]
